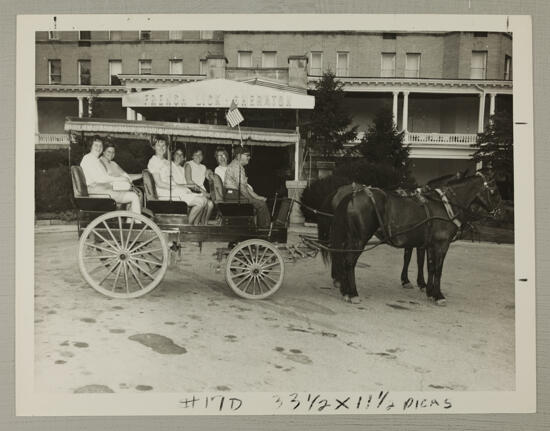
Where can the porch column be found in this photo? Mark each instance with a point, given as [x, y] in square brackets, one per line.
[481, 116]
[80, 106]
[36, 115]
[130, 114]
[405, 109]
[492, 96]
[394, 110]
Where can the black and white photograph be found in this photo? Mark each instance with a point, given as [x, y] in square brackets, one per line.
[314, 219]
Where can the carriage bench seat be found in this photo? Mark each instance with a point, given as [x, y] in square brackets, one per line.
[160, 206]
[232, 211]
[86, 202]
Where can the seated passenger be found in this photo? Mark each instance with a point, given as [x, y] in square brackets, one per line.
[235, 176]
[222, 158]
[99, 182]
[195, 175]
[114, 169]
[160, 169]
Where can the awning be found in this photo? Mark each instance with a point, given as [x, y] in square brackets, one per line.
[184, 132]
[218, 93]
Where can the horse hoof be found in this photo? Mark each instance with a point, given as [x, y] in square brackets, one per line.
[441, 302]
[355, 300]
[346, 298]
[407, 285]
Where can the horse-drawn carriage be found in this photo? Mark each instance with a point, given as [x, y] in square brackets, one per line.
[122, 254]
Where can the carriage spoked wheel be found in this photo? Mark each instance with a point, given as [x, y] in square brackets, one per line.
[255, 269]
[123, 255]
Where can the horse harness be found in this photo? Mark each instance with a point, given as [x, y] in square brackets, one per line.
[418, 194]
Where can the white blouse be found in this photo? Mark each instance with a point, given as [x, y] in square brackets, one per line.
[94, 171]
[198, 173]
[220, 171]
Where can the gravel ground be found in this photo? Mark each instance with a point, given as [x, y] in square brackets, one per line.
[193, 334]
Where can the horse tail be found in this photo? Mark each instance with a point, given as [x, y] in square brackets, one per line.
[340, 225]
[324, 223]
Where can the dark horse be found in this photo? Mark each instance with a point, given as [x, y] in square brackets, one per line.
[330, 204]
[405, 223]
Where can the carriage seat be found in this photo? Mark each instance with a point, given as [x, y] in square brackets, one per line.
[160, 206]
[86, 202]
[228, 207]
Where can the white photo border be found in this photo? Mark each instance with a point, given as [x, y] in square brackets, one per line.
[521, 400]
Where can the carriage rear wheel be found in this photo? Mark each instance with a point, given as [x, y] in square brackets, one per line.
[255, 269]
[123, 255]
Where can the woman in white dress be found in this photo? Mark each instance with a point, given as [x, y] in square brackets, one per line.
[99, 182]
[195, 176]
[160, 169]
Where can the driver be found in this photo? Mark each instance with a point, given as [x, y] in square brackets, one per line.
[236, 180]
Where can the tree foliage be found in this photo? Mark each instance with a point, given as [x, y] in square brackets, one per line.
[383, 143]
[495, 148]
[329, 126]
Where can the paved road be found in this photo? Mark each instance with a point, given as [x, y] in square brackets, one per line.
[193, 334]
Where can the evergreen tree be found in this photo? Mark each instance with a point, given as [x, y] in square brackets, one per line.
[328, 128]
[495, 148]
[383, 144]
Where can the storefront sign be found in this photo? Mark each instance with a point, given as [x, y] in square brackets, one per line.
[218, 93]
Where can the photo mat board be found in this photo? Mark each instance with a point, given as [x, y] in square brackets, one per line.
[522, 399]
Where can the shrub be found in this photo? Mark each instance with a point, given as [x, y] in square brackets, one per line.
[53, 189]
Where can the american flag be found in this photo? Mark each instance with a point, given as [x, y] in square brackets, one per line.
[234, 116]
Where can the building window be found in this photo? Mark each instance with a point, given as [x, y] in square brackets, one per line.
[389, 36]
[412, 65]
[115, 69]
[269, 59]
[145, 35]
[244, 59]
[478, 68]
[84, 72]
[388, 65]
[480, 34]
[53, 35]
[202, 67]
[342, 64]
[316, 64]
[115, 35]
[206, 34]
[175, 35]
[54, 67]
[507, 67]
[145, 67]
[176, 67]
[84, 35]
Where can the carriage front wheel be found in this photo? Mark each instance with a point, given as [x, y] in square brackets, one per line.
[255, 269]
[123, 255]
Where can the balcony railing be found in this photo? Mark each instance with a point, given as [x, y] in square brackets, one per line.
[50, 141]
[461, 139]
[276, 73]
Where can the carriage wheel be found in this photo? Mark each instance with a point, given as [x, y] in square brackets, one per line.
[123, 255]
[255, 269]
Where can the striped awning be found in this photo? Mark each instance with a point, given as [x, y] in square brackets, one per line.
[183, 132]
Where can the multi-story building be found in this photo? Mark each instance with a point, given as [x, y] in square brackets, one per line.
[441, 86]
